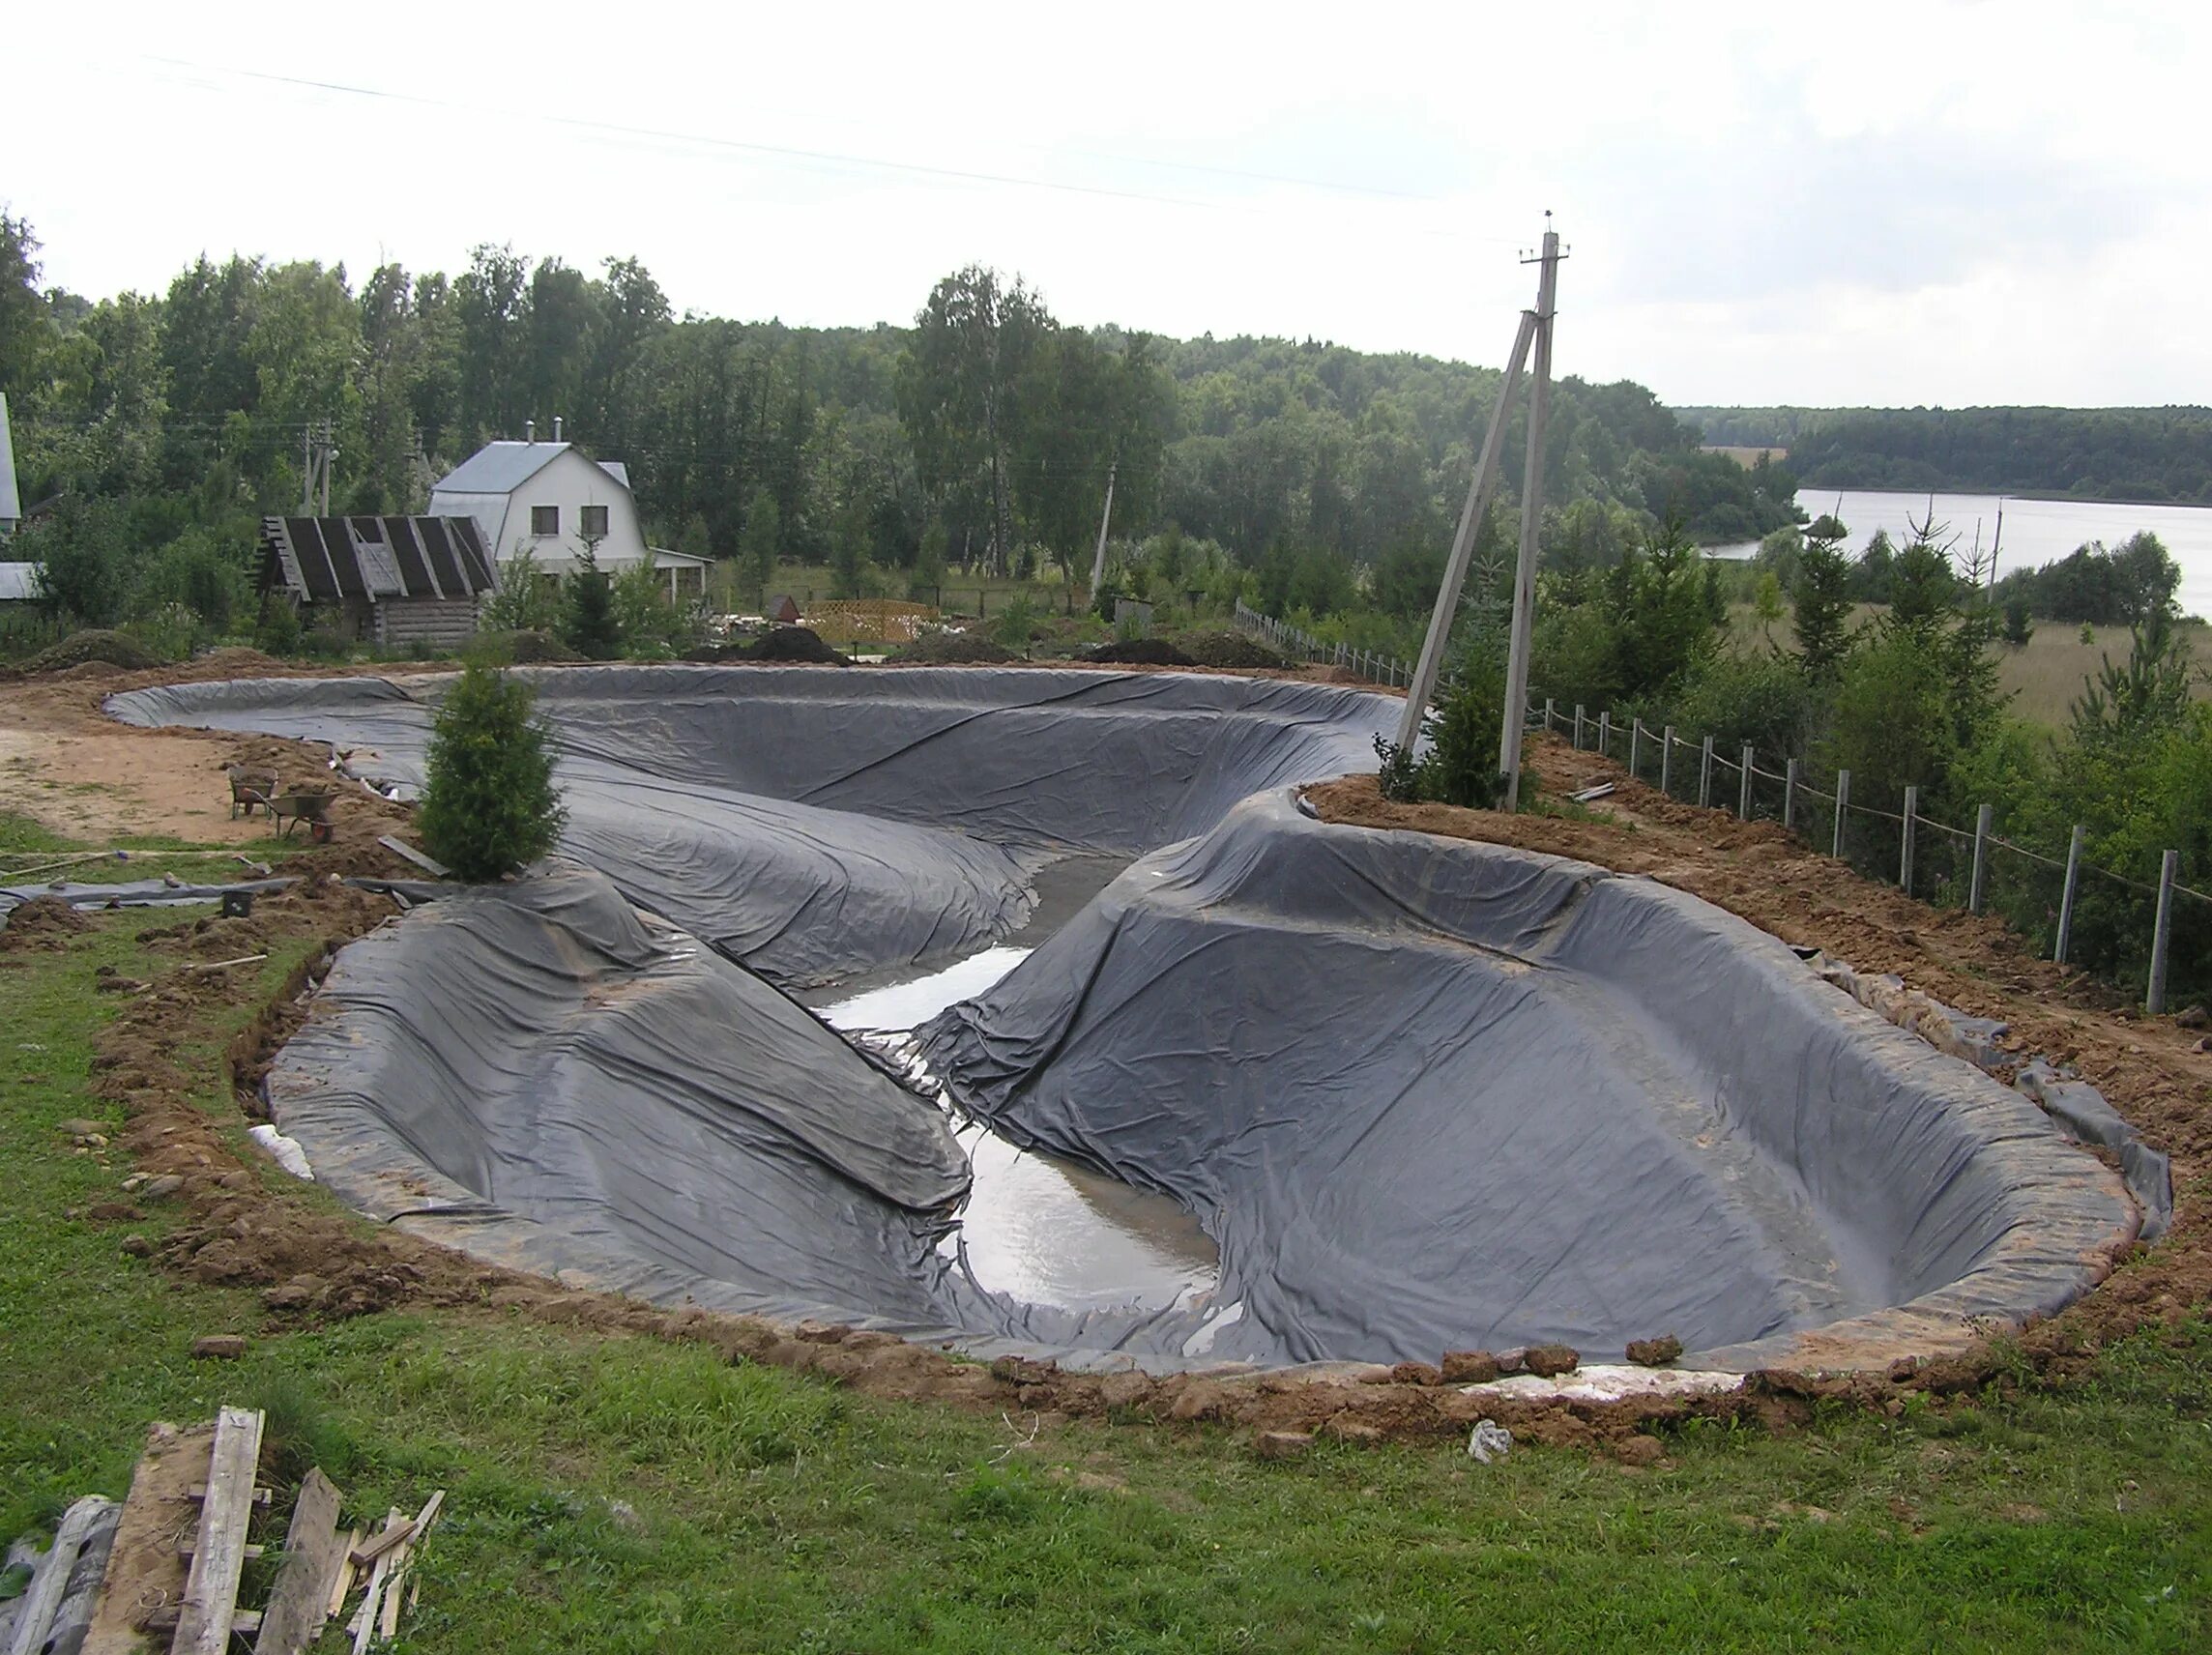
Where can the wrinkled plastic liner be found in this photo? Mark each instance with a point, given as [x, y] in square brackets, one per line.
[1432, 1094]
[1423, 1094]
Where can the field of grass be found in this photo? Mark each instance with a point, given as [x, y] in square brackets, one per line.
[2045, 675]
[614, 1494]
[28, 846]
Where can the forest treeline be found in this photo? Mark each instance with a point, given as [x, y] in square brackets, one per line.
[2098, 453]
[984, 432]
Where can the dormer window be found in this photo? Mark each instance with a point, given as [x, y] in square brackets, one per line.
[545, 519]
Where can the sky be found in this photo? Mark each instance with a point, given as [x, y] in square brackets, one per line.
[1933, 203]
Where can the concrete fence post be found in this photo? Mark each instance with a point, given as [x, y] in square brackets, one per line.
[1843, 809]
[1706, 774]
[1666, 758]
[1981, 857]
[1635, 742]
[1790, 795]
[1905, 854]
[1605, 733]
[2066, 901]
[2161, 933]
[1743, 795]
[1578, 726]
[1550, 715]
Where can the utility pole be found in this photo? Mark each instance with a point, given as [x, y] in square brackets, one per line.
[1532, 521]
[1479, 489]
[316, 451]
[1535, 334]
[1098, 557]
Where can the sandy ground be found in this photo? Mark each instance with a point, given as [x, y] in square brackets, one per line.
[68, 766]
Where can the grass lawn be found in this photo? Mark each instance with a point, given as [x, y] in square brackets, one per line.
[622, 1494]
[29, 847]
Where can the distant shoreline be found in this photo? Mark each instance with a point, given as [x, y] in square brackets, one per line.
[2054, 495]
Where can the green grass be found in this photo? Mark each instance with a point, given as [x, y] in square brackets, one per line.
[27, 847]
[614, 1494]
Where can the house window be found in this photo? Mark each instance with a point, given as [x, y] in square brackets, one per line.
[545, 519]
[594, 525]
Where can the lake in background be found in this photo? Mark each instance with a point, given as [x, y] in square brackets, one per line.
[2036, 532]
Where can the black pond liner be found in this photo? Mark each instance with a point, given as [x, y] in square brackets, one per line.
[1424, 1094]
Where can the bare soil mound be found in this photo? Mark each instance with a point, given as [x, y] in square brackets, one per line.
[954, 648]
[1230, 650]
[43, 922]
[79, 648]
[1140, 652]
[800, 644]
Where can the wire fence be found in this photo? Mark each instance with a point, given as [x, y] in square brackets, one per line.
[1975, 868]
[2139, 925]
[1373, 665]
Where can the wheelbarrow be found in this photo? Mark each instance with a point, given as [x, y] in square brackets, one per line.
[249, 787]
[290, 809]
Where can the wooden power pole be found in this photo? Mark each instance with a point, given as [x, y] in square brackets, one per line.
[1532, 523]
[1535, 333]
[1098, 557]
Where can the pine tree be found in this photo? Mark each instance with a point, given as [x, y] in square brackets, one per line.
[591, 626]
[1821, 595]
[488, 805]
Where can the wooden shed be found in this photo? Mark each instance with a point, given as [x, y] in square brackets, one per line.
[389, 580]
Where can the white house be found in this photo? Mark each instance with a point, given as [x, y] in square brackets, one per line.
[548, 499]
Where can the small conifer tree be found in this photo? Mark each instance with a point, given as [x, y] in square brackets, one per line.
[488, 805]
[591, 626]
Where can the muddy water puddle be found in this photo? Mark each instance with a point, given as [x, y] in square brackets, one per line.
[1040, 1228]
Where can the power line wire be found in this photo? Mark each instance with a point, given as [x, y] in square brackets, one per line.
[836, 158]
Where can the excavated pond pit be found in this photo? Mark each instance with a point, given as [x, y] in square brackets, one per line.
[1418, 1095]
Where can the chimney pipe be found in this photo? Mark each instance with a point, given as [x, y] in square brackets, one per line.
[556, 428]
[529, 430]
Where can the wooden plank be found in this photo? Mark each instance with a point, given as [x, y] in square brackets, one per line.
[363, 1626]
[189, 1545]
[311, 1557]
[261, 1496]
[165, 1618]
[341, 1583]
[211, 1586]
[428, 863]
[403, 1564]
[396, 1531]
[49, 1582]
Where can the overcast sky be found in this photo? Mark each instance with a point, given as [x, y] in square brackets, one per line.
[1873, 203]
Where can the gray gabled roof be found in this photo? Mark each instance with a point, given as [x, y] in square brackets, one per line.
[503, 467]
[11, 503]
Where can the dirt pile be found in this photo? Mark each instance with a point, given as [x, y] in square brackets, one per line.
[1140, 652]
[795, 644]
[44, 922]
[79, 648]
[1232, 651]
[531, 648]
[952, 648]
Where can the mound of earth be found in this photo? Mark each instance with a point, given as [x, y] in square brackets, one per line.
[954, 648]
[795, 644]
[79, 648]
[40, 923]
[1230, 650]
[1140, 652]
[530, 647]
